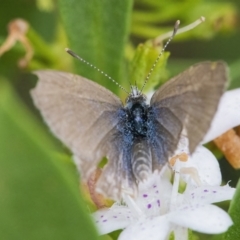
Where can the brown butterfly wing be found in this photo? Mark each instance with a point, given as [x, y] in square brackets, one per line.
[113, 177]
[80, 113]
[189, 101]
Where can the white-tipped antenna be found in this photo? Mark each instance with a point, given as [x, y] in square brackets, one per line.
[82, 60]
[158, 40]
[162, 51]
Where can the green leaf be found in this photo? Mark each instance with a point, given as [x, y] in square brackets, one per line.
[191, 235]
[141, 65]
[235, 74]
[40, 196]
[234, 211]
[98, 31]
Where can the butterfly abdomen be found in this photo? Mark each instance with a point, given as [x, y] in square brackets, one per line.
[141, 160]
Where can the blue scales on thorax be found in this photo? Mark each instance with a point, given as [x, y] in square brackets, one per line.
[137, 116]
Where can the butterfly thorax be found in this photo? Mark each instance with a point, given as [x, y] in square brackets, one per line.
[136, 109]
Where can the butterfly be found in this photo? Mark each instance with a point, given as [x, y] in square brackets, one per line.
[136, 137]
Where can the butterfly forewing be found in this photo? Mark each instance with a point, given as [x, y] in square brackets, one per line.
[79, 112]
[191, 98]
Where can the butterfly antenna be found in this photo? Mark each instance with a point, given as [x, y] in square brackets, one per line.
[158, 40]
[84, 61]
[160, 54]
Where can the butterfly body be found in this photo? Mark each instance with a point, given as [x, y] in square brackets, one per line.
[137, 116]
[138, 131]
[137, 138]
[133, 131]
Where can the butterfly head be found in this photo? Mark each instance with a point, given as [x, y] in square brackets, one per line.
[135, 96]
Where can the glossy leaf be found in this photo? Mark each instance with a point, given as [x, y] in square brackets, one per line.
[97, 31]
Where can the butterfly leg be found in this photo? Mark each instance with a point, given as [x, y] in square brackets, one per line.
[97, 198]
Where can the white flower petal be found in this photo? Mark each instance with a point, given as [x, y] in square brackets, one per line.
[227, 115]
[108, 220]
[206, 164]
[209, 194]
[154, 195]
[152, 228]
[202, 218]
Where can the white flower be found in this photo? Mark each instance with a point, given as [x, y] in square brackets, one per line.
[227, 115]
[159, 209]
[156, 212]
